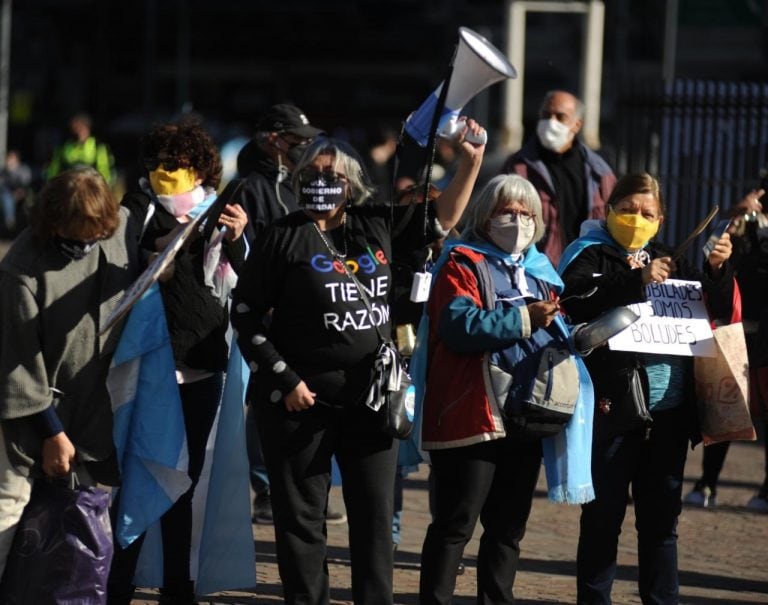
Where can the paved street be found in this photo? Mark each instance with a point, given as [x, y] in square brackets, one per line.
[723, 552]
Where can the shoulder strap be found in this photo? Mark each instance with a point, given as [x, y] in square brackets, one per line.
[365, 299]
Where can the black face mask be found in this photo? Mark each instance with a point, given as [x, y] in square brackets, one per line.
[322, 195]
[296, 151]
[74, 249]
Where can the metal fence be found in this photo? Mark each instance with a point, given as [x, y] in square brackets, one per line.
[706, 141]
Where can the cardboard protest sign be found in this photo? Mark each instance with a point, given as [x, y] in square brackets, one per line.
[722, 388]
[673, 321]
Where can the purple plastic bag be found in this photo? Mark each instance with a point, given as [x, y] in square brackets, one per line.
[62, 548]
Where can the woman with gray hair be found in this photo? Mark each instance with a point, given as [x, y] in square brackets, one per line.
[494, 321]
[324, 271]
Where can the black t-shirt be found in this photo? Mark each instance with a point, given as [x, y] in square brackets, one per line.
[321, 331]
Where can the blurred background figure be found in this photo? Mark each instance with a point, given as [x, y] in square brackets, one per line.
[381, 161]
[749, 233]
[265, 164]
[83, 149]
[573, 181]
[15, 190]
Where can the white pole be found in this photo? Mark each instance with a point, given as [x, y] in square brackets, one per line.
[513, 102]
[593, 72]
[5, 70]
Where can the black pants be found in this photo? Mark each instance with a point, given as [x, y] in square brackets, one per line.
[653, 468]
[298, 447]
[494, 481]
[200, 402]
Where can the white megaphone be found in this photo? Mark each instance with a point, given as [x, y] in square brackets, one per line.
[477, 65]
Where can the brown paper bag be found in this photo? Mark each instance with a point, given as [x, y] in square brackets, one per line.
[722, 388]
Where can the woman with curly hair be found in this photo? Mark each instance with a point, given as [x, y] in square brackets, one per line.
[183, 171]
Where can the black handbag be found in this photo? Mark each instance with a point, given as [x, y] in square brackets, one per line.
[391, 394]
[621, 403]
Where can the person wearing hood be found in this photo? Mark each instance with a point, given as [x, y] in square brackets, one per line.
[573, 181]
[266, 162]
[265, 165]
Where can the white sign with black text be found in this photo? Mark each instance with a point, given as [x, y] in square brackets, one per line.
[673, 321]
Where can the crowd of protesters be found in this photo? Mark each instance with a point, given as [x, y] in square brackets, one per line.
[277, 289]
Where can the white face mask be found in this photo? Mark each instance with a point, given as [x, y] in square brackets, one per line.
[509, 234]
[553, 135]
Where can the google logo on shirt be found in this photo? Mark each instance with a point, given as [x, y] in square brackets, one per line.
[365, 262]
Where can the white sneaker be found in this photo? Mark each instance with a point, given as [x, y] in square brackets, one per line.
[758, 504]
[703, 498]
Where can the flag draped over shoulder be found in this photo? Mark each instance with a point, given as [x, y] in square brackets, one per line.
[223, 555]
[148, 421]
[567, 456]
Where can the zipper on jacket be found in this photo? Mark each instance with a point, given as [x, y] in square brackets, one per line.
[550, 364]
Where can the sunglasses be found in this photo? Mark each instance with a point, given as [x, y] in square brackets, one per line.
[327, 176]
[170, 164]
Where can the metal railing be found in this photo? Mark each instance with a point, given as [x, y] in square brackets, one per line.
[706, 141]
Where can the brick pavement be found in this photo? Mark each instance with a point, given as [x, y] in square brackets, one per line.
[723, 552]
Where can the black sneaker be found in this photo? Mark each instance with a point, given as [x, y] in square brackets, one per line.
[262, 509]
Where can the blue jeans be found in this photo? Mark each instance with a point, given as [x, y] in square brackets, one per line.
[653, 467]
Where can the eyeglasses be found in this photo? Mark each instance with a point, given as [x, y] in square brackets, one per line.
[327, 176]
[526, 217]
[170, 164]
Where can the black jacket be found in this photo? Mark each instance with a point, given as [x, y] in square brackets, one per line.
[197, 322]
[618, 284]
[264, 195]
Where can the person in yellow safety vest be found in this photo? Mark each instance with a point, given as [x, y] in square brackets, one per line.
[82, 150]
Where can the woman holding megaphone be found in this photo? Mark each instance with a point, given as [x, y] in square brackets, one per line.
[325, 272]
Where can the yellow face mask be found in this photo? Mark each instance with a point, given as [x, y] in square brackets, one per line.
[631, 231]
[172, 183]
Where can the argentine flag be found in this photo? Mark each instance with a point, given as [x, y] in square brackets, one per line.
[223, 554]
[148, 422]
[151, 443]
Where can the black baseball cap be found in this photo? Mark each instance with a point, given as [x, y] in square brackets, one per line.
[287, 118]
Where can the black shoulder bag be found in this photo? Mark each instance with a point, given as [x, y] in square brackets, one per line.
[391, 393]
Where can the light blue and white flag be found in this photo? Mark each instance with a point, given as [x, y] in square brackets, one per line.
[419, 123]
[148, 420]
[223, 554]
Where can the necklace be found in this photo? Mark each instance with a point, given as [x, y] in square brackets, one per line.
[335, 253]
